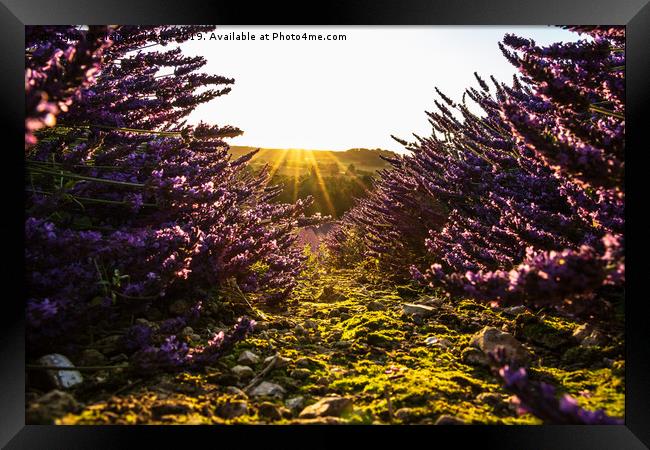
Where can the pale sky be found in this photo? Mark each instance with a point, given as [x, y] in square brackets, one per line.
[338, 95]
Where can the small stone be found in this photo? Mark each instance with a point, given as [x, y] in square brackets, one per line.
[376, 306]
[268, 389]
[109, 345]
[328, 406]
[433, 341]
[179, 307]
[47, 408]
[286, 413]
[269, 411]
[514, 310]
[489, 338]
[594, 339]
[311, 324]
[432, 301]
[318, 421]
[413, 309]
[405, 414]
[475, 357]
[304, 362]
[588, 337]
[92, 357]
[234, 390]
[299, 329]
[280, 363]
[248, 358]
[243, 371]
[300, 374]
[60, 379]
[489, 398]
[168, 407]
[232, 408]
[187, 331]
[581, 332]
[295, 403]
[448, 420]
[343, 344]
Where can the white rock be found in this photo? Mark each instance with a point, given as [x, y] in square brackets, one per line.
[268, 389]
[413, 309]
[281, 362]
[248, 358]
[60, 379]
[243, 371]
[328, 406]
[514, 310]
[295, 403]
[437, 342]
[232, 409]
[489, 338]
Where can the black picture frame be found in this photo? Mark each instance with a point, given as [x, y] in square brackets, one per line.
[14, 14]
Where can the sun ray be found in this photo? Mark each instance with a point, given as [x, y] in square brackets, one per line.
[299, 156]
[321, 183]
[278, 162]
[353, 176]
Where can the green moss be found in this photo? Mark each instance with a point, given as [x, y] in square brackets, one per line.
[584, 356]
[593, 388]
[381, 361]
[381, 339]
[542, 334]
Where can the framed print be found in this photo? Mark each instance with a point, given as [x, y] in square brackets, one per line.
[389, 220]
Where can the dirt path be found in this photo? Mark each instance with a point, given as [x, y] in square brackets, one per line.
[348, 352]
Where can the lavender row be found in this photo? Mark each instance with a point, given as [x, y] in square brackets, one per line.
[129, 207]
[520, 203]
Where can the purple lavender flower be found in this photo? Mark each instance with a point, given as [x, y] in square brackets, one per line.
[541, 400]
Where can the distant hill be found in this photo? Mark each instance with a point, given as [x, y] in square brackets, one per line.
[334, 179]
[362, 158]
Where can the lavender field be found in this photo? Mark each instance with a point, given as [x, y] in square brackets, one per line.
[476, 276]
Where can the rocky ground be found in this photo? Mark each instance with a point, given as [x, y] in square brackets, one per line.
[345, 351]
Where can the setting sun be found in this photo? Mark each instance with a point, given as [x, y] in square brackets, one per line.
[336, 95]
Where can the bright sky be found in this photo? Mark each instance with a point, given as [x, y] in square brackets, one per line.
[338, 95]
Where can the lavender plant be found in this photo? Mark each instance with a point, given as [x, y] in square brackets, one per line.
[129, 206]
[173, 355]
[522, 202]
[541, 400]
